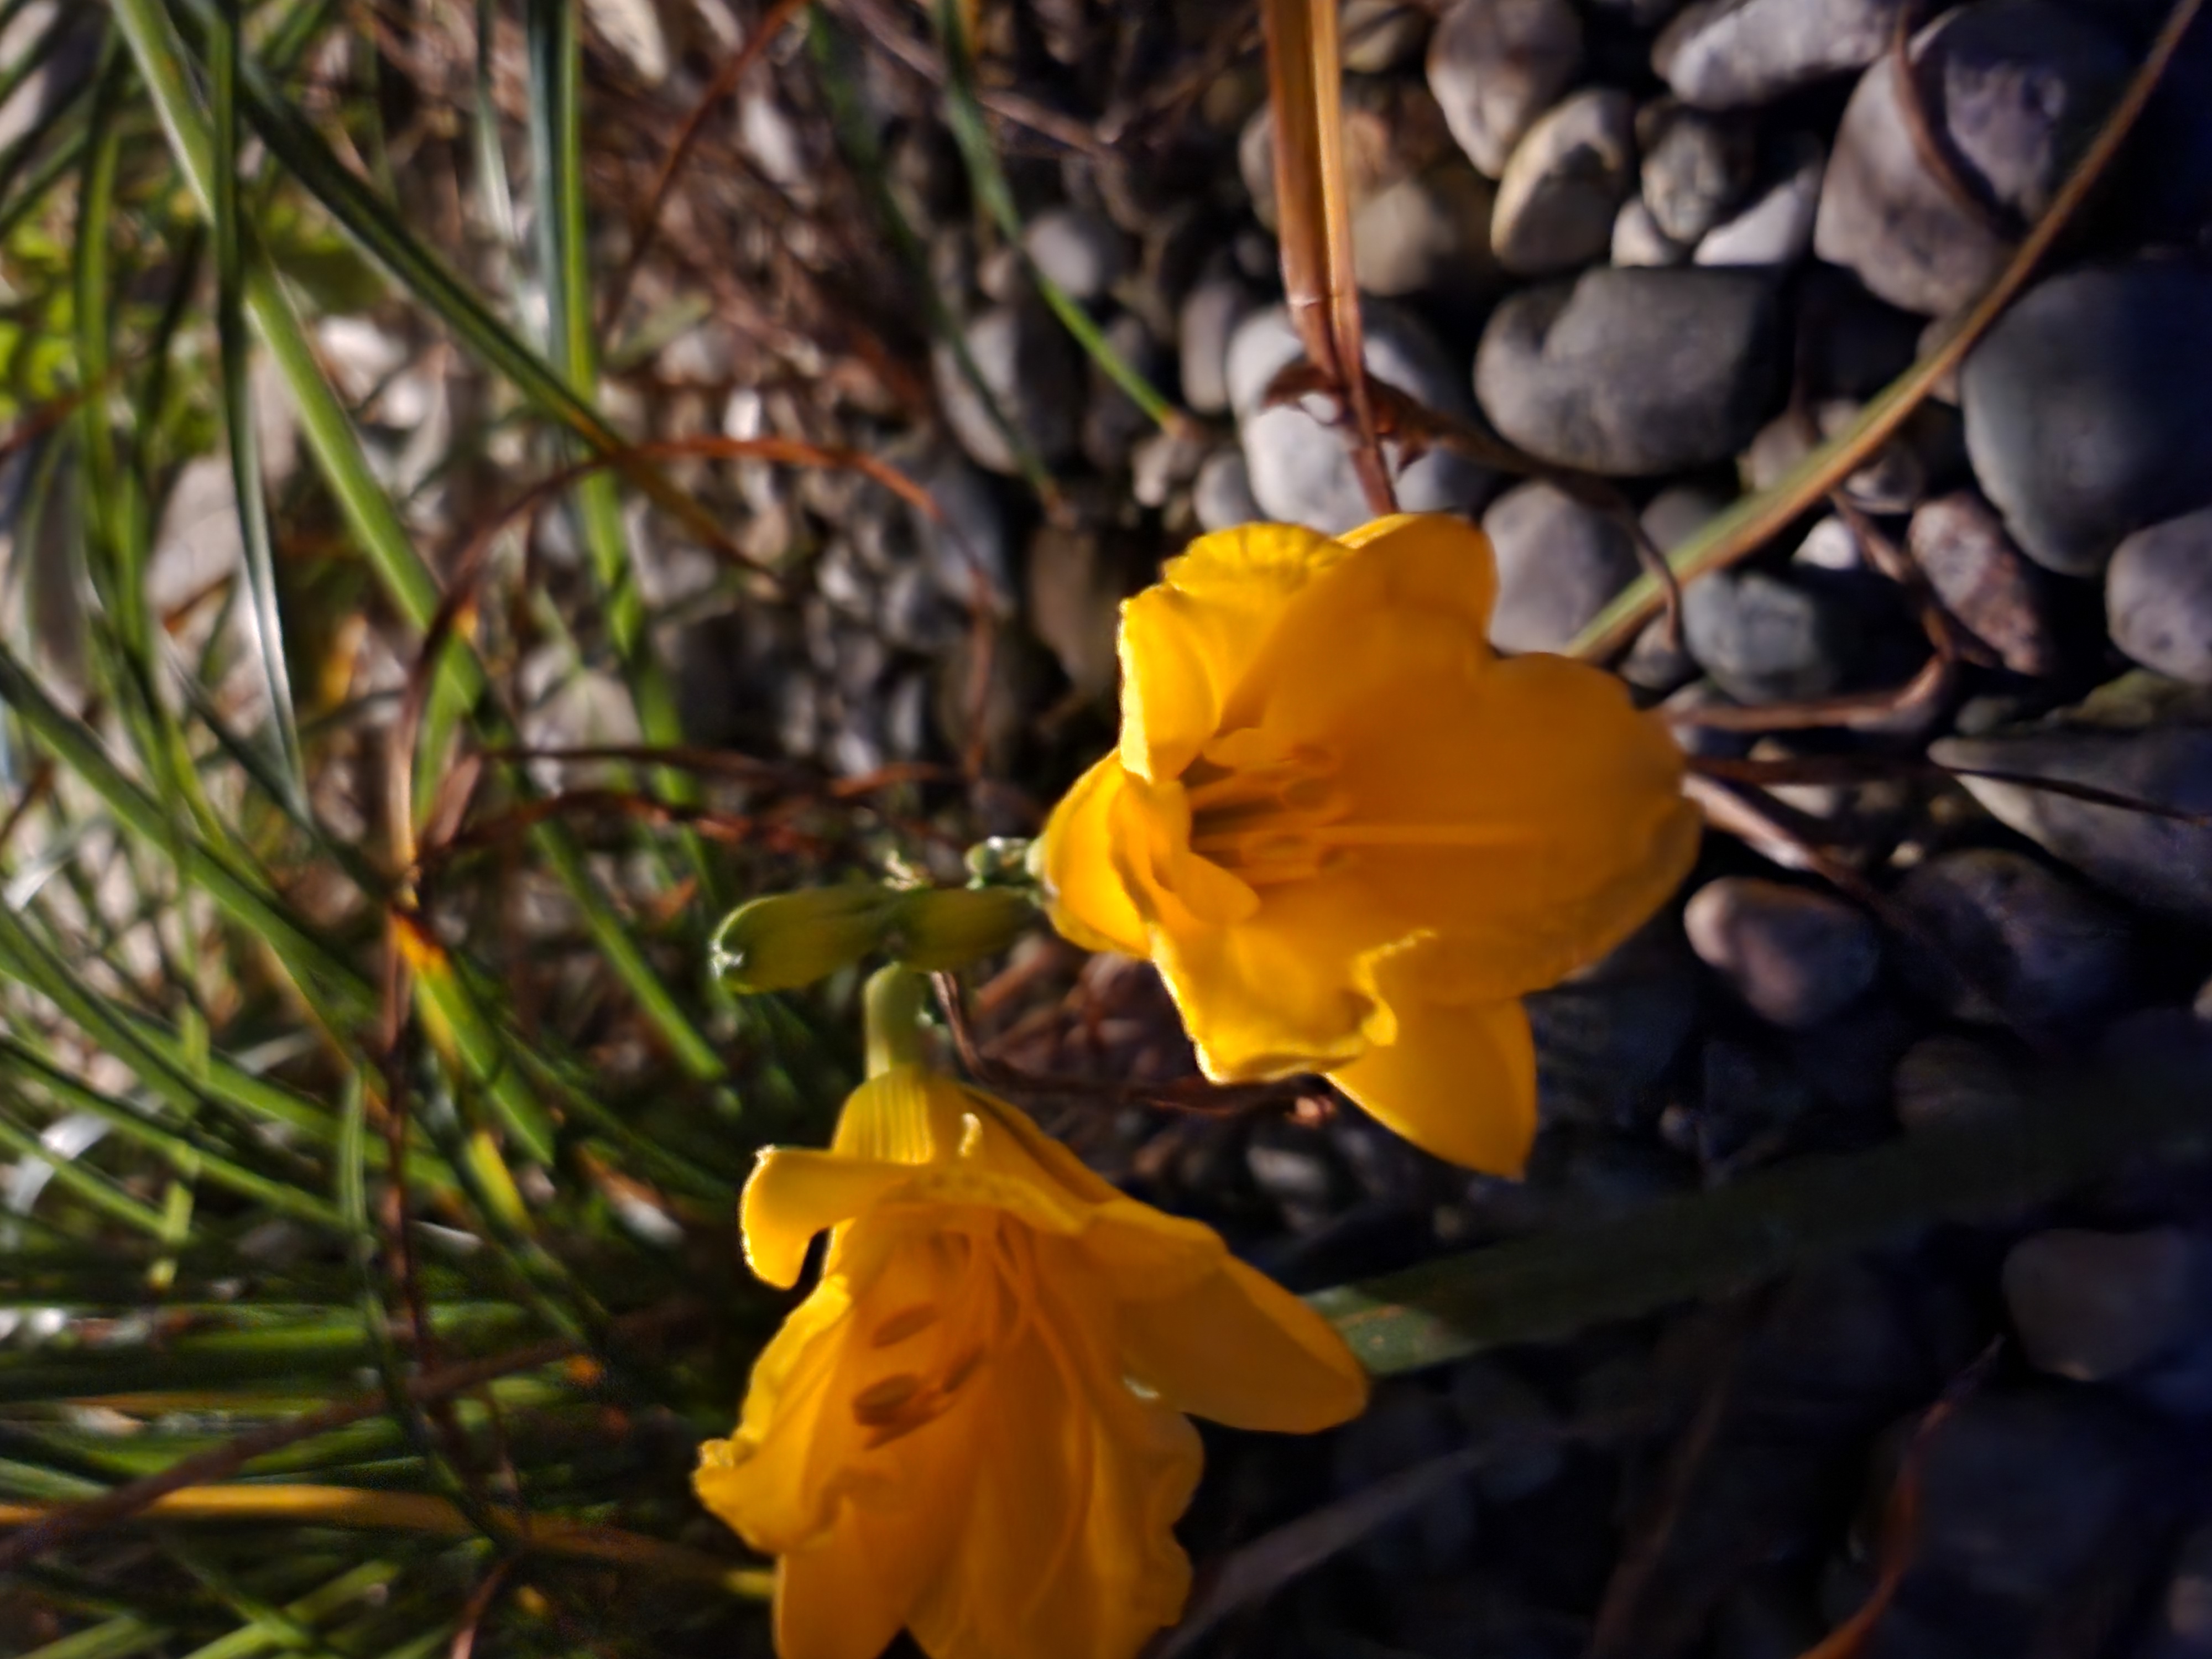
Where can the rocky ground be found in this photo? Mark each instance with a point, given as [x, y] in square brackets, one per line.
[1673, 248]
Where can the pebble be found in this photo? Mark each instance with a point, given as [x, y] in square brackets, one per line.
[1950, 1078]
[1406, 1424]
[2182, 1627]
[1035, 373]
[1112, 421]
[1084, 252]
[1638, 239]
[1776, 227]
[1428, 235]
[2159, 863]
[1559, 563]
[1697, 166]
[2014, 89]
[1206, 323]
[1495, 66]
[1983, 580]
[1767, 637]
[1222, 497]
[2089, 409]
[1393, 130]
[1606, 1036]
[1072, 603]
[2093, 1306]
[968, 546]
[2020, 1490]
[2158, 597]
[1728, 54]
[1632, 373]
[1748, 1100]
[1163, 462]
[1500, 1408]
[1299, 469]
[1564, 181]
[1381, 35]
[1795, 955]
[2018, 943]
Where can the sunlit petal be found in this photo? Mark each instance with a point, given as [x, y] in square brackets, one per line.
[1084, 891]
[1236, 1348]
[1460, 1082]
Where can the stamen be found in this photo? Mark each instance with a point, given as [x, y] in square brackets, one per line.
[885, 1402]
[904, 1323]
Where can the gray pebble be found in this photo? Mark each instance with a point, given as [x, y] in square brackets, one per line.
[1208, 320]
[1073, 600]
[1033, 371]
[1638, 239]
[1499, 1408]
[1606, 1036]
[2158, 597]
[2017, 943]
[1112, 421]
[1697, 166]
[2160, 863]
[1766, 637]
[1950, 1078]
[1559, 563]
[1406, 1424]
[2013, 89]
[1776, 227]
[2093, 1306]
[1082, 253]
[1563, 184]
[1495, 66]
[1163, 462]
[965, 548]
[1381, 35]
[1795, 955]
[1428, 235]
[1392, 131]
[2182, 1626]
[1222, 496]
[1727, 54]
[2088, 409]
[1983, 580]
[1632, 373]
[1300, 471]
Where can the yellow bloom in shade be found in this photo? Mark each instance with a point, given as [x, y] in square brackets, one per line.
[974, 1427]
[1351, 837]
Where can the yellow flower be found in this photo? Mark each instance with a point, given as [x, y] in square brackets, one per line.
[1351, 837]
[973, 1427]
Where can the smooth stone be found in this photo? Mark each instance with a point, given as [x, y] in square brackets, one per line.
[1983, 580]
[2021, 1490]
[1501, 1410]
[1728, 54]
[1951, 1079]
[2091, 1306]
[1072, 603]
[1563, 184]
[1495, 66]
[1606, 1037]
[2014, 89]
[1748, 1098]
[2017, 942]
[1632, 373]
[1559, 563]
[1082, 253]
[2182, 1626]
[1406, 1424]
[1638, 239]
[1428, 235]
[1300, 469]
[2088, 409]
[1392, 131]
[2159, 863]
[1204, 327]
[1660, 661]
[1892, 480]
[1222, 497]
[2158, 597]
[1381, 35]
[1163, 462]
[1776, 227]
[1795, 955]
[1766, 637]
[967, 547]
[1112, 421]
[1033, 371]
[1697, 166]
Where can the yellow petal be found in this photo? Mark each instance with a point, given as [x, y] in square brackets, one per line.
[906, 1115]
[1066, 1547]
[793, 1195]
[1238, 1348]
[831, 1604]
[1186, 641]
[1084, 891]
[1459, 1082]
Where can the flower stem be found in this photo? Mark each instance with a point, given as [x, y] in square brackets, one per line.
[891, 1011]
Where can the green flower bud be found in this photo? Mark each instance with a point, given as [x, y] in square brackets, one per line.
[942, 928]
[1000, 861]
[790, 939]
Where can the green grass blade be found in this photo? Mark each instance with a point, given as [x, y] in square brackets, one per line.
[233, 343]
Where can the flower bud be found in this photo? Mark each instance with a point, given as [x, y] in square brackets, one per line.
[789, 939]
[942, 928]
